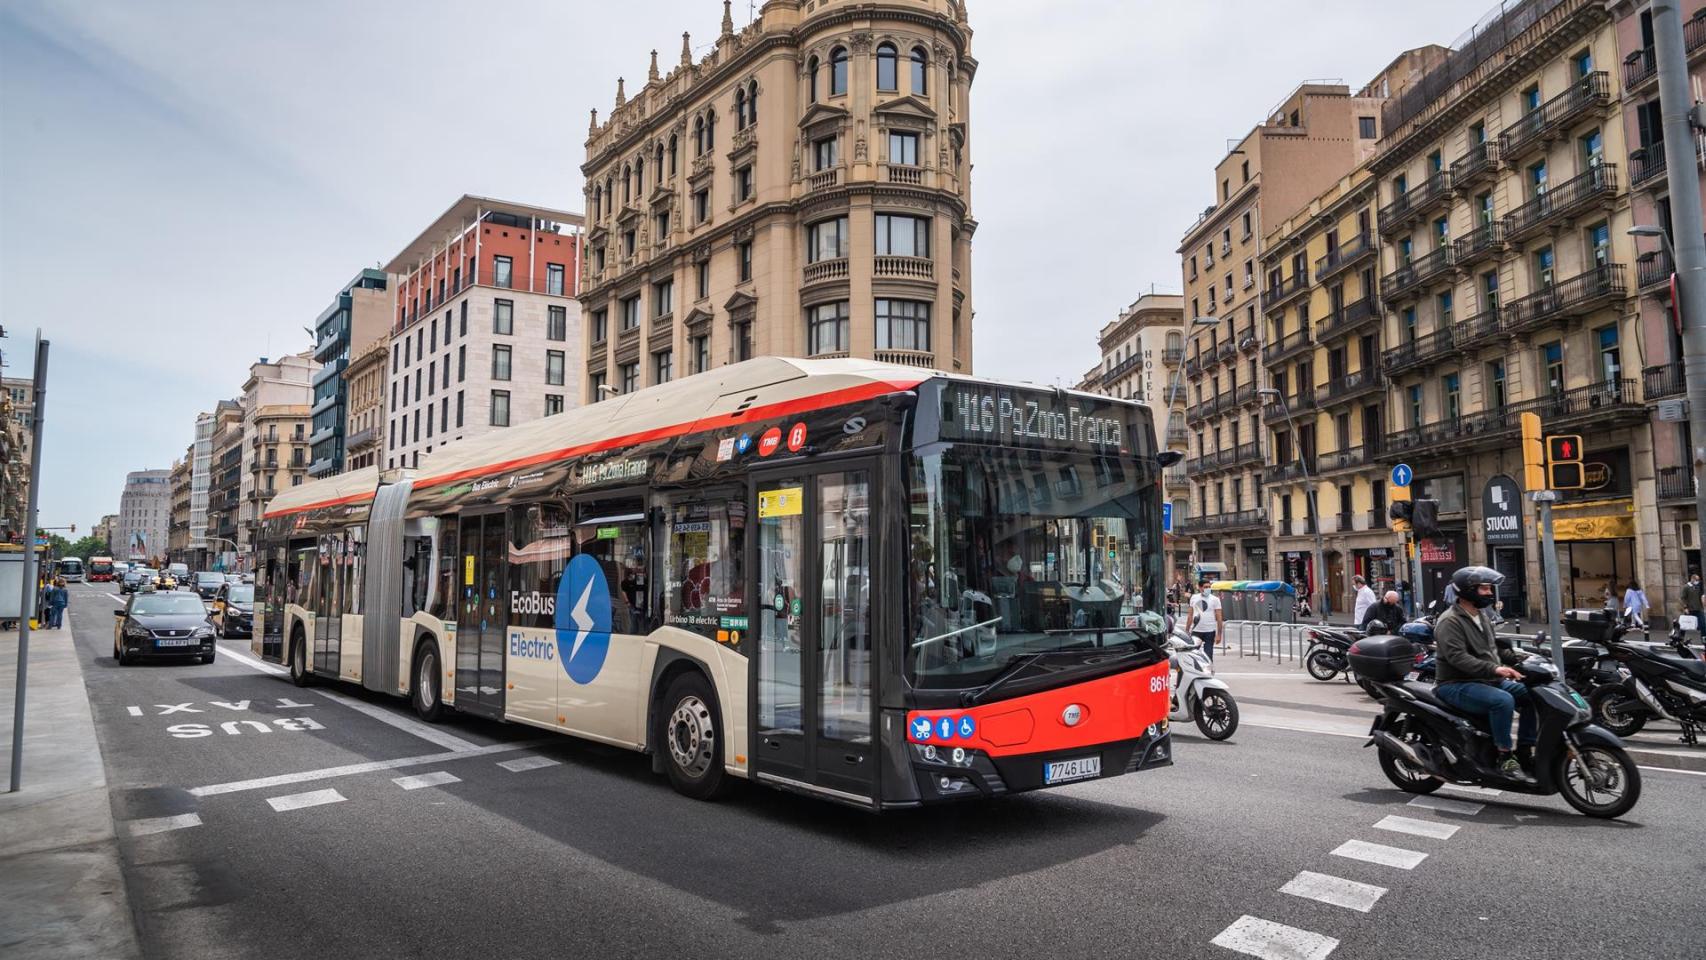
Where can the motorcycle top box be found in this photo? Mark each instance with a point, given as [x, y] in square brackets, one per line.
[1385, 659]
[1594, 626]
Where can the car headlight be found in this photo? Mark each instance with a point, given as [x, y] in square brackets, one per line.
[203, 633]
[134, 632]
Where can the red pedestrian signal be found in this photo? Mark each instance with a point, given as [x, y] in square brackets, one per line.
[1563, 448]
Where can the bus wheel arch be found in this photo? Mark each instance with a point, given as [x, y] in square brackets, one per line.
[685, 722]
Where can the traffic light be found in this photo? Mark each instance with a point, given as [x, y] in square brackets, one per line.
[1563, 446]
[1564, 462]
[1426, 518]
[1533, 453]
[1400, 511]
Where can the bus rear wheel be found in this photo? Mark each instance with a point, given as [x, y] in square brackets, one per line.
[427, 691]
[299, 658]
[690, 737]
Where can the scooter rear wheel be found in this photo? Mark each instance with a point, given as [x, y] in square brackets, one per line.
[1405, 778]
[1603, 784]
[1320, 665]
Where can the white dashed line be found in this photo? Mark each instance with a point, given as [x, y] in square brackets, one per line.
[1326, 888]
[134, 711]
[297, 801]
[1381, 854]
[327, 773]
[1448, 805]
[1432, 829]
[435, 779]
[1485, 793]
[1274, 941]
[153, 825]
[520, 764]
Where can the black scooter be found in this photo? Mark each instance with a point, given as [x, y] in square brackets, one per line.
[1425, 743]
[1328, 649]
[1655, 681]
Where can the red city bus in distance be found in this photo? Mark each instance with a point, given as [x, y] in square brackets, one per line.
[100, 569]
[864, 582]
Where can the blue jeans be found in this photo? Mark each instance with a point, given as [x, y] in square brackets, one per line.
[1207, 641]
[1498, 701]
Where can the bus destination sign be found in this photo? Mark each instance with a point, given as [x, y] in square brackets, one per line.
[1003, 415]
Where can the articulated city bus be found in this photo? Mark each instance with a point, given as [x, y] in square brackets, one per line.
[865, 582]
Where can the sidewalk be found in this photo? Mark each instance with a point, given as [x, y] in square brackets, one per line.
[59, 864]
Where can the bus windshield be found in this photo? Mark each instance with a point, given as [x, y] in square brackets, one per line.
[1016, 552]
[71, 565]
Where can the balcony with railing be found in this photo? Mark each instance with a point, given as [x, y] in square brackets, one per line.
[1347, 459]
[1220, 522]
[1288, 472]
[1647, 163]
[1638, 68]
[1598, 186]
[1480, 161]
[1172, 355]
[1175, 477]
[1284, 292]
[1193, 366]
[1606, 403]
[1244, 395]
[1176, 433]
[1246, 453]
[1475, 431]
[1415, 202]
[1347, 318]
[1296, 527]
[1653, 270]
[908, 358]
[1485, 241]
[1478, 329]
[1552, 118]
[1350, 386]
[1248, 341]
[1300, 402]
[1289, 345]
[1346, 255]
[824, 271]
[1677, 484]
[1226, 351]
[905, 268]
[1416, 272]
[1567, 298]
[1694, 32]
[1414, 353]
[1664, 380]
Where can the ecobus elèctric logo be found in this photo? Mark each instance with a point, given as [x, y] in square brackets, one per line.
[582, 619]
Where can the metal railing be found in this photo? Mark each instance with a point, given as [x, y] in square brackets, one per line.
[1562, 199]
[1589, 91]
[1481, 158]
[1664, 380]
[1652, 269]
[1284, 290]
[1566, 296]
[1347, 317]
[1286, 346]
[1639, 67]
[1483, 240]
[1596, 400]
[1477, 328]
[1416, 271]
[1172, 355]
[1343, 256]
[1415, 200]
[1677, 483]
[1415, 352]
[1350, 385]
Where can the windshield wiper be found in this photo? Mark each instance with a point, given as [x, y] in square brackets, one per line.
[1014, 666]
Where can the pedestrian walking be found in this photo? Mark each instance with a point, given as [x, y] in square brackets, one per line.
[1635, 605]
[1613, 597]
[1692, 602]
[1208, 620]
[58, 599]
[1365, 599]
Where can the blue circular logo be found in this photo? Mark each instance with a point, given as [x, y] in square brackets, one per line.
[583, 619]
[944, 728]
[968, 727]
[920, 728]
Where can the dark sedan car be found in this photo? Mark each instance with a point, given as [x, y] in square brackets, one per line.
[234, 610]
[162, 625]
[207, 584]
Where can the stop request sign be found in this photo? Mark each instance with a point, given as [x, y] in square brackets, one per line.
[1501, 511]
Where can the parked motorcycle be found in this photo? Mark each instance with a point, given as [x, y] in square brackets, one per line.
[1655, 681]
[1328, 646]
[1425, 743]
[1197, 694]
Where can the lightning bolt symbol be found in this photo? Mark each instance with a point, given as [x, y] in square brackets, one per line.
[582, 619]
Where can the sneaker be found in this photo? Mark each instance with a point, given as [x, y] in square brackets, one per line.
[1511, 769]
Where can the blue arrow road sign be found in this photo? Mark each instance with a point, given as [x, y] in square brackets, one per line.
[1402, 475]
[1166, 518]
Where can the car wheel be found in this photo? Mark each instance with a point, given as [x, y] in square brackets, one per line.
[427, 689]
[689, 735]
[118, 653]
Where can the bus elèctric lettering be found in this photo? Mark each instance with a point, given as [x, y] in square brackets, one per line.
[868, 583]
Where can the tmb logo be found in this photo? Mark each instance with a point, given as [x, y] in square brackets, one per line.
[582, 619]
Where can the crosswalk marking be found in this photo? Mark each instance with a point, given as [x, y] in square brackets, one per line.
[1326, 888]
[520, 764]
[1485, 793]
[1274, 941]
[312, 798]
[153, 825]
[419, 780]
[1448, 805]
[1418, 828]
[1380, 853]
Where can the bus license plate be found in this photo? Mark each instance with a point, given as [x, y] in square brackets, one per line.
[176, 642]
[1064, 771]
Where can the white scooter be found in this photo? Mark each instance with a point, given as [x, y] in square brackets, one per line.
[1197, 694]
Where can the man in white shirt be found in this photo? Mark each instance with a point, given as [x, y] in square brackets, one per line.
[1365, 598]
[1208, 620]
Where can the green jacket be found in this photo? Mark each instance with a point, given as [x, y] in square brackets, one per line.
[1467, 650]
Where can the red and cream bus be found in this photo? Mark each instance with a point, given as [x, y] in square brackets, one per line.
[864, 582]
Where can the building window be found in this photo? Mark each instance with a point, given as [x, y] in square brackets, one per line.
[838, 71]
[598, 258]
[553, 404]
[554, 367]
[903, 325]
[500, 362]
[903, 149]
[1599, 244]
[462, 321]
[1413, 395]
[501, 272]
[628, 243]
[503, 317]
[600, 324]
[1543, 265]
[701, 353]
[1552, 362]
[629, 377]
[826, 153]
[660, 226]
[674, 151]
[595, 387]
[743, 257]
[1365, 128]
[811, 79]
[1531, 99]
[459, 410]
[743, 348]
[663, 366]
[743, 183]
[902, 236]
[554, 279]
[888, 72]
[1451, 390]
[630, 313]
[396, 354]
[702, 279]
[461, 366]
[740, 108]
[663, 298]
[826, 328]
[1496, 389]
[1246, 225]
[1610, 354]
[1443, 303]
[701, 205]
[500, 408]
[826, 240]
[920, 72]
[556, 323]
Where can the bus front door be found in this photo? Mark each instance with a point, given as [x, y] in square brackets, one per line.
[482, 611]
[812, 673]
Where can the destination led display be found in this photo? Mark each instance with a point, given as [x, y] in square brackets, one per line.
[1026, 418]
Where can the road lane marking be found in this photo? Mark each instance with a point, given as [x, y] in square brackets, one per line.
[1274, 941]
[116, 597]
[1448, 805]
[406, 724]
[153, 825]
[1380, 853]
[1432, 829]
[1485, 793]
[351, 769]
[135, 711]
[419, 780]
[312, 798]
[521, 764]
[1336, 891]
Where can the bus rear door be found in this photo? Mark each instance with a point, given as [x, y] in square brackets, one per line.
[482, 613]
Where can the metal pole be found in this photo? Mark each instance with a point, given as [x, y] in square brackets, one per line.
[28, 590]
[1549, 563]
[1676, 108]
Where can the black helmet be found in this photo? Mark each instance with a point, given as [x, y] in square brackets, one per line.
[1467, 579]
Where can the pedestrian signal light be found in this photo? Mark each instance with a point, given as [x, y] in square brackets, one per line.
[1566, 475]
[1563, 448]
[1533, 453]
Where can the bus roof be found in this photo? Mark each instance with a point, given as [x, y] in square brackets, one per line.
[765, 387]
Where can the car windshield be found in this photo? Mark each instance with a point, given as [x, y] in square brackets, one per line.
[241, 595]
[1022, 552]
[155, 604]
[211, 579]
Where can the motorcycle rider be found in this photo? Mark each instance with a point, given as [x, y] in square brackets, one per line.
[1475, 675]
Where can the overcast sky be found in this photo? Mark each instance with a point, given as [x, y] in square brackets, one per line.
[184, 185]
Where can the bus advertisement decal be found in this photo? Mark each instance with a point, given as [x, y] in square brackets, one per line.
[582, 619]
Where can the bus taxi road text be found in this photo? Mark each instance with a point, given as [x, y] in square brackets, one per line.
[217, 708]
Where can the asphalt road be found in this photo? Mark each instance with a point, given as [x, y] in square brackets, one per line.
[242, 842]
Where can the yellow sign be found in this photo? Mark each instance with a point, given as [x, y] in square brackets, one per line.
[468, 570]
[1593, 528]
[785, 502]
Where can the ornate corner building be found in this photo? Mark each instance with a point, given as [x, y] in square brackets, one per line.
[803, 189]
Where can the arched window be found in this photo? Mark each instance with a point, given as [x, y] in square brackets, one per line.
[597, 204]
[811, 79]
[1175, 341]
[752, 102]
[838, 71]
[640, 177]
[711, 129]
[609, 195]
[673, 153]
[627, 182]
[657, 160]
[888, 78]
[698, 136]
[920, 70]
[740, 109]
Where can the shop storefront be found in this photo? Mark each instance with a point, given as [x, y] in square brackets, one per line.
[1255, 560]
[1378, 566]
[1596, 553]
[1441, 556]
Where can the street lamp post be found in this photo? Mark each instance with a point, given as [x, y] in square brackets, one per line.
[1320, 572]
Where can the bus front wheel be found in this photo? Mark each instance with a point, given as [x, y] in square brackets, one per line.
[299, 658]
[427, 691]
[690, 737]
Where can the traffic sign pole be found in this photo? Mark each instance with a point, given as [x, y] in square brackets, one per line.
[1549, 563]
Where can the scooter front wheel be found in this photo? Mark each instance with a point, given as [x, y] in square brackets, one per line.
[1321, 666]
[1599, 781]
[1217, 715]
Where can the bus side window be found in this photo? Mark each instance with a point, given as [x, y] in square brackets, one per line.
[615, 533]
[417, 573]
[444, 598]
[703, 570]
